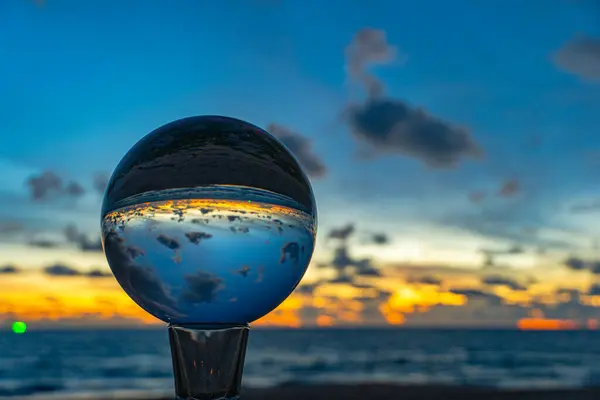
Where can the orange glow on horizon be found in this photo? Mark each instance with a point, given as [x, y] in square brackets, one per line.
[543, 324]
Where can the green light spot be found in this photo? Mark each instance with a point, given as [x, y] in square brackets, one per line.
[19, 327]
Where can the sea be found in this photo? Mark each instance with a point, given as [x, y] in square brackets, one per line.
[136, 363]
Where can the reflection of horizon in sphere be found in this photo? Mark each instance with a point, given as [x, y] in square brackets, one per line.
[191, 238]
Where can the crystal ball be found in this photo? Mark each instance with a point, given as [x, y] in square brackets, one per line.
[208, 219]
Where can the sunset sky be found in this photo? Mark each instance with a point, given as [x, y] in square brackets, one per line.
[453, 148]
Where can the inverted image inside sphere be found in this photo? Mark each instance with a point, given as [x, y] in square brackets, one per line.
[208, 220]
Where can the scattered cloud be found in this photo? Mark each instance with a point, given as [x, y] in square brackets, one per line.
[202, 287]
[290, 250]
[167, 241]
[44, 185]
[509, 188]
[74, 189]
[380, 238]
[140, 283]
[425, 280]
[61, 270]
[81, 240]
[368, 47]
[342, 233]
[475, 294]
[392, 126]
[100, 181]
[44, 243]
[9, 269]
[575, 263]
[49, 185]
[301, 147]
[64, 270]
[594, 290]
[98, 273]
[580, 56]
[346, 266]
[196, 237]
[497, 280]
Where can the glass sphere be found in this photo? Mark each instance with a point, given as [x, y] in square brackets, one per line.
[208, 220]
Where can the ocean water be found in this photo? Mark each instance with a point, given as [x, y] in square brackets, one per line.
[135, 363]
[216, 254]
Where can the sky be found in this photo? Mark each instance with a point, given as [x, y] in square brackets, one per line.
[453, 149]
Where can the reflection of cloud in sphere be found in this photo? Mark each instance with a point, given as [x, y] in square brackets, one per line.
[196, 237]
[168, 242]
[291, 250]
[140, 283]
[202, 287]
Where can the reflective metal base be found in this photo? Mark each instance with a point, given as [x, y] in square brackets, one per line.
[208, 360]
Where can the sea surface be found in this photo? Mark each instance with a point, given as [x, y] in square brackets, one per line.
[132, 363]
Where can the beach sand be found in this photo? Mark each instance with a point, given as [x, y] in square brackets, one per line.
[388, 392]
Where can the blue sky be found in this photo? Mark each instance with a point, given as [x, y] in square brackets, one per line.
[83, 81]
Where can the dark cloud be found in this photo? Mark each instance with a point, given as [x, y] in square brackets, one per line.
[202, 287]
[98, 273]
[87, 245]
[307, 288]
[594, 267]
[580, 56]
[342, 233]
[61, 270]
[473, 294]
[81, 240]
[343, 278]
[166, 241]
[49, 185]
[45, 185]
[368, 47]
[301, 147]
[364, 267]
[380, 238]
[289, 250]
[509, 188]
[575, 263]
[44, 243]
[594, 290]
[9, 269]
[425, 280]
[196, 237]
[74, 189]
[341, 259]
[140, 283]
[512, 250]
[573, 293]
[392, 126]
[347, 266]
[497, 280]
[100, 181]
[244, 271]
